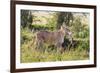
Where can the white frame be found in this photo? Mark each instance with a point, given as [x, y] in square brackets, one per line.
[53, 64]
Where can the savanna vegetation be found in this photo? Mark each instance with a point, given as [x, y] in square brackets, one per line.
[35, 21]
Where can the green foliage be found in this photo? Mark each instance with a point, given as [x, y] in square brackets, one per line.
[64, 17]
[26, 18]
[83, 44]
[49, 53]
[80, 30]
[26, 35]
[43, 27]
[52, 22]
[30, 54]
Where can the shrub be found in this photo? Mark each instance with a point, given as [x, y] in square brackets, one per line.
[43, 27]
[83, 44]
[26, 35]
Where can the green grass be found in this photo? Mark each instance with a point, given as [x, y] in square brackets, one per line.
[29, 54]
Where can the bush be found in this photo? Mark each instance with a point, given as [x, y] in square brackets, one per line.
[26, 35]
[83, 44]
[29, 54]
[43, 27]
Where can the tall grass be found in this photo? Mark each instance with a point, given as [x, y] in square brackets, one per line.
[29, 54]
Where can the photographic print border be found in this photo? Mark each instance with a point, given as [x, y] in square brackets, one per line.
[13, 35]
